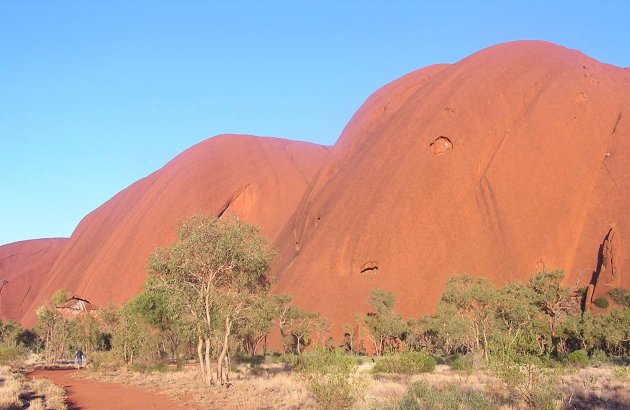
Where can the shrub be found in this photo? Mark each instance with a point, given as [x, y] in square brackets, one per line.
[579, 357]
[11, 355]
[621, 372]
[529, 383]
[291, 359]
[601, 302]
[598, 357]
[149, 367]
[421, 396]
[405, 363]
[620, 296]
[330, 378]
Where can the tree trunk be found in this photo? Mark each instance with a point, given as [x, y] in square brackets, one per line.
[204, 376]
[208, 370]
[226, 339]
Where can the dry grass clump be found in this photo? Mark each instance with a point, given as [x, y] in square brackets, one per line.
[16, 392]
[10, 389]
[271, 387]
[49, 394]
[606, 387]
[274, 387]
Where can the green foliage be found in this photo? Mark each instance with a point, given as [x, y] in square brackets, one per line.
[85, 333]
[212, 276]
[330, 377]
[473, 299]
[405, 363]
[150, 368]
[11, 355]
[599, 357]
[601, 302]
[165, 313]
[620, 296]
[302, 327]
[622, 373]
[13, 335]
[60, 297]
[53, 328]
[257, 323]
[528, 381]
[578, 358]
[129, 332]
[384, 325]
[421, 396]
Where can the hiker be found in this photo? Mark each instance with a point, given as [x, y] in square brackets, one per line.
[79, 358]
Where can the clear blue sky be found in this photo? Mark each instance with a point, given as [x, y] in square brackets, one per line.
[97, 94]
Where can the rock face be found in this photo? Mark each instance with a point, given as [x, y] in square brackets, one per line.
[23, 267]
[511, 159]
[607, 276]
[259, 179]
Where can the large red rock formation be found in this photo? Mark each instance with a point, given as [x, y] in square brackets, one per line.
[24, 266]
[510, 160]
[259, 179]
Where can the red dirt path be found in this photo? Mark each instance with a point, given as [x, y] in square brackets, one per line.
[89, 394]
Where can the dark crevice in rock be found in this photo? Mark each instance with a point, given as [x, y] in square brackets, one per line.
[607, 273]
[224, 208]
[616, 124]
[369, 266]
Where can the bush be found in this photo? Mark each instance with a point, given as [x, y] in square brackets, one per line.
[290, 359]
[421, 396]
[601, 302]
[529, 383]
[11, 355]
[579, 357]
[149, 367]
[599, 357]
[329, 376]
[405, 363]
[620, 296]
[621, 372]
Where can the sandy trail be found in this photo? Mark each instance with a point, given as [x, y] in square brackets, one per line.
[93, 395]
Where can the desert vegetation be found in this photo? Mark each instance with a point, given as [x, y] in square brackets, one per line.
[16, 390]
[204, 318]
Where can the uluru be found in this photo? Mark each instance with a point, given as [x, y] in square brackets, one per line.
[508, 161]
[260, 179]
[24, 266]
[511, 161]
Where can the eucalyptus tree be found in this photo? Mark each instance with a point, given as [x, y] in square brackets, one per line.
[214, 272]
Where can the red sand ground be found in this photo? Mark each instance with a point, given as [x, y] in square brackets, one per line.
[92, 395]
[509, 161]
[25, 265]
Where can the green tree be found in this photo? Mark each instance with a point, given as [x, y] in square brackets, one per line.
[53, 327]
[474, 300]
[257, 323]
[215, 269]
[300, 328]
[85, 333]
[163, 313]
[385, 326]
[552, 299]
[129, 332]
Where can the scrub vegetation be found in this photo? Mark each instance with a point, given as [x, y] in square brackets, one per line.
[205, 318]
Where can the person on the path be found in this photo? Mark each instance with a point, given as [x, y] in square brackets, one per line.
[79, 358]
